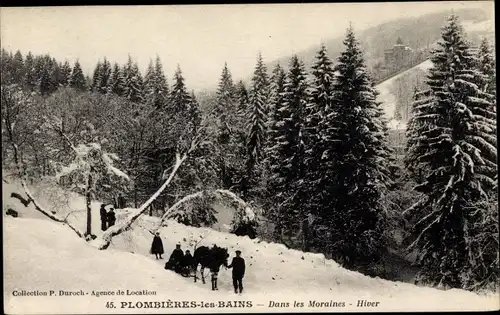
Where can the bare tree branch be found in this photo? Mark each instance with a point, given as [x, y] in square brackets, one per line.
[104, 241]
[22, 175]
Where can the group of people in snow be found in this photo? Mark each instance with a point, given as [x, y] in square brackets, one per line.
[108, 218]
[183, 263]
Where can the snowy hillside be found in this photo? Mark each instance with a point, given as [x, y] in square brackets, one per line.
[389, 100]
[36, 248]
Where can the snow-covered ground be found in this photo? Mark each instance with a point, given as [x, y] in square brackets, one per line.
[389, 100]
[41, 255]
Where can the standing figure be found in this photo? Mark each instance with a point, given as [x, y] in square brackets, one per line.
[188, 262]
[111, 217]
[157, 246]
[104, 217]
[238, 265]
[121, 201]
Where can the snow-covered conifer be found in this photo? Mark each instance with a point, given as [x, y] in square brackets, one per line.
[116, 81]
[288, 152]
[257, 110]
[77, 80]
[355, 132]
[456, 145]
[133, 83]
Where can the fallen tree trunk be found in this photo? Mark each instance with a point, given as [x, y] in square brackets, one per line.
[104, 241]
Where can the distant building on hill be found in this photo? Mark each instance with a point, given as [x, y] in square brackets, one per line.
[398, 55]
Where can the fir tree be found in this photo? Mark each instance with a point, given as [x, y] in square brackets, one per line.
[116, 82]
[320, 136]
[161, 87]
[155, 85]
[287, 154]
[77, 80]
[180, 100]
[96, 77]
[354, 210]
[486, 64]
[65, 73]
[456, 145]
[275, 98]
[272, 157]
[47, 83]
[149, 83]
[30, 76]
[133, 87]
[242, 96]
[104, 77]
[194, 112]
[226, 104]
[230, 133]
[257, 107]
[18, 71]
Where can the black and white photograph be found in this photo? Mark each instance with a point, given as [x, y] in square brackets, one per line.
[249, 158]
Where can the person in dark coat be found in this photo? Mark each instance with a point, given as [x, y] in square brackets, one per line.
[157, 246]
[111, 217]
[121, 201]
[188, 259]
[104, 217]
[176, 258]
[238, 265]
[187, 263]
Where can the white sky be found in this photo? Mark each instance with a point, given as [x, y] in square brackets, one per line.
[199, 38]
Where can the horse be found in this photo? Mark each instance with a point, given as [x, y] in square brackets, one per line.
[212, 258]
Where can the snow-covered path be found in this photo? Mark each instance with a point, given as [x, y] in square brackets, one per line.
[41, 255]
[389, 100]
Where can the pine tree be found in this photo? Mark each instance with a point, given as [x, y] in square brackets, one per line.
[150, 83]
[275, 99]
[133, 88]
[287, 155]
[116, 81]
[104, 77]
[257, 107]
[78, 80]
[18, 71]
[414, 129]
[155, 85]
[30, 77]
[194, 112]
[226, 103]
[230, 133]
[161, 86]
[354, 213]
[320, 135]
[56, 73]
[65, 73]
[455, 144]
[96, 77]
[242, 96]
[272, 157]
[180, 100]
[486, 64]
[47, 83]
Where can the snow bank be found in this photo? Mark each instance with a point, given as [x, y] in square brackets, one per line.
[43, 255]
